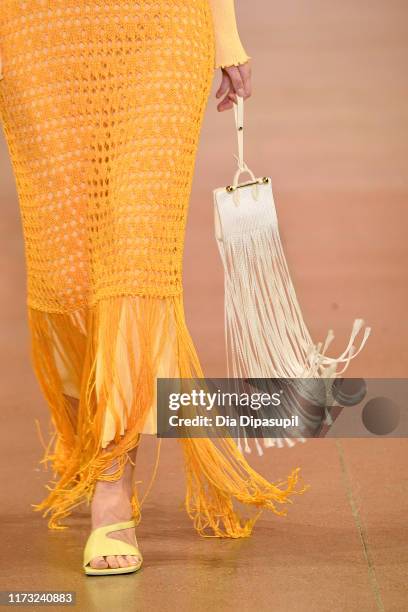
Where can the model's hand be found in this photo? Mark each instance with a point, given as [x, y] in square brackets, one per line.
[235, 80]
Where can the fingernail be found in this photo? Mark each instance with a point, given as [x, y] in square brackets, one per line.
[241, 92]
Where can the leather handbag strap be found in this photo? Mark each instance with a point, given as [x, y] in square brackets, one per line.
[239, 124]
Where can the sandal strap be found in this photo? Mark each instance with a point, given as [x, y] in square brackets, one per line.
[105, 529]
[101, 545]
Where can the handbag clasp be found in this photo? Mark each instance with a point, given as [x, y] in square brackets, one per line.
[231, 188]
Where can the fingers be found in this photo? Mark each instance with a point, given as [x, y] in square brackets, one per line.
[236, 80]
[240, 77]
[246, 76]
[223, 89]
[224, 85]
[225, 104]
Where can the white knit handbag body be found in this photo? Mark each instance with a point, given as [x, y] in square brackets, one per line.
[265, 333]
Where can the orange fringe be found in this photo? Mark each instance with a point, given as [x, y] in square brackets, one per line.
[216, 471]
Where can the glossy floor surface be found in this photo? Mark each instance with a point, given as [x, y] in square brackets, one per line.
[328, 122]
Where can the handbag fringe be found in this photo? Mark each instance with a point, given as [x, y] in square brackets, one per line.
[265, 332]
[84, 345]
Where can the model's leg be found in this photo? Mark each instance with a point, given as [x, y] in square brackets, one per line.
[111, 503]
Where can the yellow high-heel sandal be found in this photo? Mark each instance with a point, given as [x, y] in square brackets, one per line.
[100, 545]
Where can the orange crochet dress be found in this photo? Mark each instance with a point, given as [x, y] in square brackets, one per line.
[102, 105]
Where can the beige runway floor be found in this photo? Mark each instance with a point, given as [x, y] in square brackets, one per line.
[328, 122]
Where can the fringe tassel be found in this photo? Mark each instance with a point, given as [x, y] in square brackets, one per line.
[218, 475]
[113, 352]
[265, 332]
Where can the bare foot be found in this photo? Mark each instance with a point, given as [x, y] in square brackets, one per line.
[111, 504]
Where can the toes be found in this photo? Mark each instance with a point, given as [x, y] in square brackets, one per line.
[122, 561]
[132, 560]
[98, 563]
[112, 561]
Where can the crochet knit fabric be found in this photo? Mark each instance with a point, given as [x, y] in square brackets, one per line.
[102, 105]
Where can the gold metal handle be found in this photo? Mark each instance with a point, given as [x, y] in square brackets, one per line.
[231, 188]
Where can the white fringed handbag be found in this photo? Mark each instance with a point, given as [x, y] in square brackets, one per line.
[265, 333]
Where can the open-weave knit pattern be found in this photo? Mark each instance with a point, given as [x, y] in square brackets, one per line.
[102, 104]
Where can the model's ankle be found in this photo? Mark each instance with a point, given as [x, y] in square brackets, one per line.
[111, 509]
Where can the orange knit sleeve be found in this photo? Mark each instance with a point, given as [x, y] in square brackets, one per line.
[229, 50]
